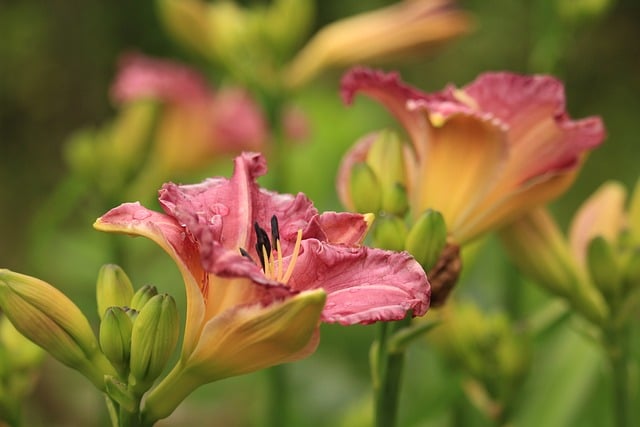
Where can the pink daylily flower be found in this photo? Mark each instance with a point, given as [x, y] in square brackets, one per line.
[257, 266]
[195, 124]
[483, 154]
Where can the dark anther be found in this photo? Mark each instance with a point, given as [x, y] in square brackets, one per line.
[245, 254]
[262, 242]
[275, 232]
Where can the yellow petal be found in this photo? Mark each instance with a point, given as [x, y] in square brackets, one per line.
[602, 214]
[462, 160]
[247, 339]
[501, 207]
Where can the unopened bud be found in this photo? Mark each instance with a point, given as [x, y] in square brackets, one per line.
[48, 318]
[142, 296]
[603, 268]
[153, 339]
[20, 352]
[365, 189]
[115, 337]
[113, 288]
[186, 21]
[386, 159]
[390, 233]
[427, 238]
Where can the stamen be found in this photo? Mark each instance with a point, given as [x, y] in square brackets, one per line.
[262, 242]
[245, 254]
[279, 250]
[294, 258]
[275, 241]
[275, 231]
[267, 264]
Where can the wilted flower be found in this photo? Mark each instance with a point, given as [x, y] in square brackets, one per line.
[258, 267]
[597, 266]
[481, 155]
[196, 123]
[405, 29]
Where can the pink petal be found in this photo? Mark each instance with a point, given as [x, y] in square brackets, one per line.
[363, 285]
[140, 76]
[338, 228]
[356, 154]
[136, 220]
[221, 213]
[389, 90]
[542, 136]
[239, 122]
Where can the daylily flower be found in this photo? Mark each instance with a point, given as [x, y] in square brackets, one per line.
[258, 267]
[596, 266]
[401, 30]
[483, 154]
[197, 124]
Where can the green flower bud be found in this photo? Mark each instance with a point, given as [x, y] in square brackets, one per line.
[142, 296]
[365, 189]
[287, 23]
[395, 199]
[427, 238]
[386, 159]
[603, 267]
[113, 288]
[115, 337]
[153, 339]
[48, 318]
[20, 352]
[390, 233]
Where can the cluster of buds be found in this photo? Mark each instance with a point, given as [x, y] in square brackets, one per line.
[378, 183]
[138, 333]
[597, 266]
[138, 330]
[485, 346]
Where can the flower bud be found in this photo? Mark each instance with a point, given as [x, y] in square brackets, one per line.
[427, 238]
[115, 337]
[386, 159]
[153, 339]
[48, 318]
[390, 233]
[286, 24]
[21, 353]
[603, 267]
[113, 288]
[186, 21]
[365, 189]
[142, 296]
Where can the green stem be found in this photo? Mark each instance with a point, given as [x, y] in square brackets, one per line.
[387, 374]
[278, 397]
[165, 397]
[618, 354]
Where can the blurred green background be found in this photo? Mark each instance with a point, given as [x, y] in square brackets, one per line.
[57, 60]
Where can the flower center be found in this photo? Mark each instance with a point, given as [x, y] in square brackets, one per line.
[270, 252]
